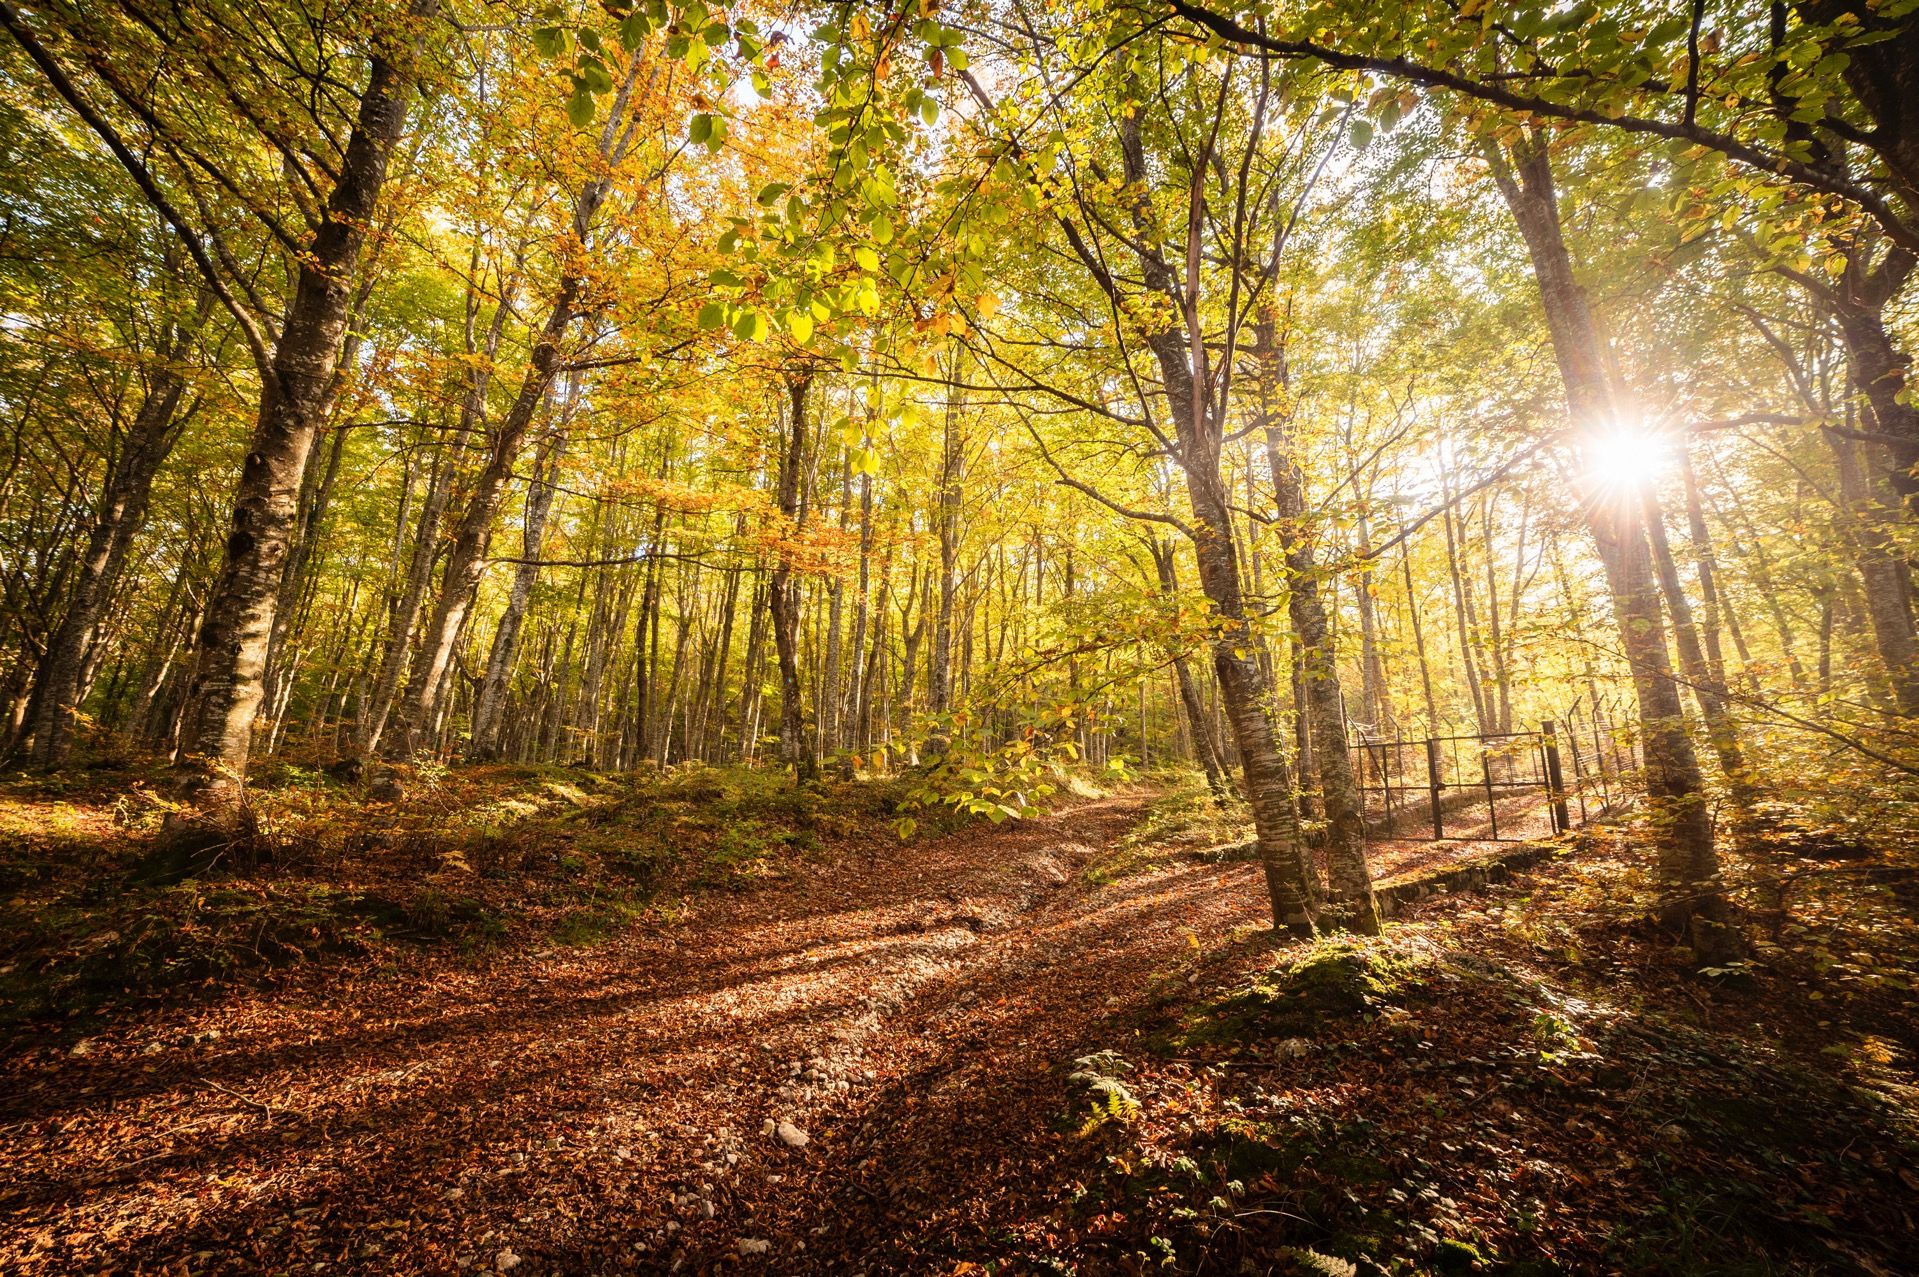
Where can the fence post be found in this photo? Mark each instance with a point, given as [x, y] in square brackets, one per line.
[1555, 779]
[1492, 803]
[1386, 784]
[1432, 781]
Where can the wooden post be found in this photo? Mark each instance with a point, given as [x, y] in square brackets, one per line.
[1432, 780]
[1555, 779]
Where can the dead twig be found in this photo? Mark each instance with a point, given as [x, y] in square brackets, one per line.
[266, 1110]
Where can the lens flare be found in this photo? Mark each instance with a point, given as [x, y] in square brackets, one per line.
[1624, 459]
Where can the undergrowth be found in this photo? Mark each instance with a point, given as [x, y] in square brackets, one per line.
[1185, 820]
[105, 902]
[1522, 1083]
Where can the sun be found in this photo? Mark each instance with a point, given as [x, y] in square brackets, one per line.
[1622, 459]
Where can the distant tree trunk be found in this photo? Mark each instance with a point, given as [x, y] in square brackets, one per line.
[783, 596]
[295, 402]
[1706, 566]
[1695, 903]
[489, 705]
[466, 559]
[1495, 638]
[1462, 606]
[1888, 583]
[1707, 690]
[854, 714]
[121, 513]
[1199, 725]
[1419, 640]
[406, 608]
[1380, 716]
[939, 682]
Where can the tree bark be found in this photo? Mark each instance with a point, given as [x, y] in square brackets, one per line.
[1707, 690]
[1694, 903]
[1205, 747]
[489, 706]
[122, 512]
[783, 595]
[295, 400]
[1349, 879]
[466, 559]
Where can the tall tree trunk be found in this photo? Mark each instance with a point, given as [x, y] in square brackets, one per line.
[1180, 352]
[939, 682]
[489, 706]
[1694, 903]
[466, 559]
[1707, 690]
[783, 596]
[1349, 879]
[1887, 581]
[295, 402]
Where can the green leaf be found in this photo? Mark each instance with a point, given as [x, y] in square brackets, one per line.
[1360, 134]
[750, 325]
[700, 129]
[866, 258]
[712, 316]
[634, 28]
[550, 41]
[771, 192]
[580, 108]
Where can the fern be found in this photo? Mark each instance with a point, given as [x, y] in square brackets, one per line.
[1323, 1265]
[1108, 1097]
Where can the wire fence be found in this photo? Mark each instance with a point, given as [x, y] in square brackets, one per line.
[1496, 786]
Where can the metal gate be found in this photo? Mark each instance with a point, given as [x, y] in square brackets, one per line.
[1498, 786]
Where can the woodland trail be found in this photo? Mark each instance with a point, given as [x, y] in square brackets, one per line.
[605, 1109]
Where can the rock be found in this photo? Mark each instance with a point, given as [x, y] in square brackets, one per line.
[754, 1246]
[769, 1126]
[791, 1135]
[348, 770]
[506, 1261]
[83, 1047]
[1293, 1049]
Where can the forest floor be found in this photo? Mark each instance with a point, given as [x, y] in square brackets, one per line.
[1064, 1044]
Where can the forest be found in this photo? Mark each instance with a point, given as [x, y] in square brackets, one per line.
[959, 636]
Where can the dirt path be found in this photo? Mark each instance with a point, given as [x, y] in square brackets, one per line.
[606, 1109]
